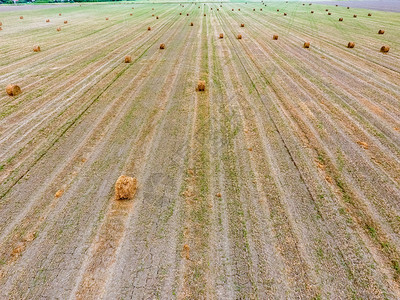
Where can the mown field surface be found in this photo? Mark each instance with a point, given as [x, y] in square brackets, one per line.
[281, 180]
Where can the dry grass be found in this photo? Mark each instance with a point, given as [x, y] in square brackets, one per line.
[125, 187]
[13, 90]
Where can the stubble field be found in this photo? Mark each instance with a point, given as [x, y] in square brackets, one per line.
[280, 180]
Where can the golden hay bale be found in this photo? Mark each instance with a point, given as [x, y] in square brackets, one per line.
[221, 35]
[21, 17]
[128, 59]
[47, 21]
[152, 15]
[149, 28]
[340, 19]
[106, 19]
[125, 187]
[59, 14]
[65, 22]
[58, 28]
[131, 14]
[201, 85]
[381, 31]
[351, 45]
[239, 37]
[369, 15]
[354, 16]
[191, 23]
[1, 28]
[239, 9]
[36, 49]
[329, 14]
[242, 25]
[232, 9]
[275, 37]
[306, 45]
[162, 46]
[385, 49]
[13, 90]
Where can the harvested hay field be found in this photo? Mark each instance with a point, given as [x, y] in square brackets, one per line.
[279, 180]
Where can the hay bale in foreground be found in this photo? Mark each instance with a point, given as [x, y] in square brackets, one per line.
[351, 45]
[201, 85]
[162, 46]
[36, 49]
[221, 35]
[275, 37]
[385, 49]
[381, 31]
[13, 90]
[239, 37]
[128, 59]
[306, 45]
[125, 187]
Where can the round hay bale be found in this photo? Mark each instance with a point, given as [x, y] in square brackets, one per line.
[65, 22]
[157, 17]
[106, 19]
[329, 14]
[369, 15]
[381, 31]
[306, 45]
[217, 9]
[59, 14]
[152, 15]
[36, 49]
[275, 37]
[125, 187]
[354, 16]
[232, 9]
[239, 37]
[242, 25]
[239, 9]
[351, 45]
[260, 9]
[191, 23]
[348, 7]
[152, 9]
[312, 11]
[285, 14]
[254, 9]
[47, 21]
[221, 35]
[326, 9]
[336, 5]
[162, 46]
[58, 28]
[1, 24]
[180, 14]
[1, 29]
[277, 10]
[187, 15]
[204, 14]
[303, 4]
[21, 17]
[340, 19]
[13, 90]
[211, 8]
[128, 59]
[131, 14]
[385, 49]
[149, 28]
[201, 86]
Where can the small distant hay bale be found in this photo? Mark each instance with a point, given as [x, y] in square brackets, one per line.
[131, 14]
[36, 49]
[354, 16]
[211, 8]
[152, 15]
[13, 90]
[351, 45]
[348, 7]
[149, 28]
[369, 15]
[187, 15]
[125, 187]
[238, 9]
[204, 14]
[275, 37]
[59, 193]
[260, 9]
[254, 9]
[340, 19]
[162, 46]
[201, 85]
[312, 11]
[285, 14]
[1, 24]
[59, 14]
[277, 10]
[58, 28]
[381, 31]
[242, 25]
[106, 19]
[336, 5]
[306, 45]
[303, 4]
[157, 17]
[47, 21]
[191, 23]
[217, 9]
[65, 22]
[385, 49]
[326, 9]
[180, 14]
[221, 35]
[21, 17]
[186, 251]
[128, 59]
[329, 13]
[152, 9]
[239, 37]
[232, 9]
